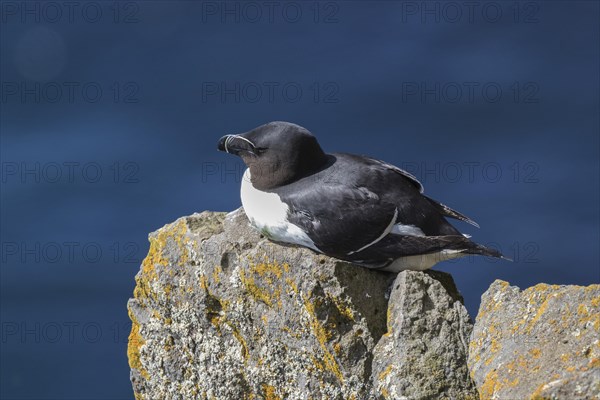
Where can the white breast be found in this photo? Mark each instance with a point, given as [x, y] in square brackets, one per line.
[268, 214]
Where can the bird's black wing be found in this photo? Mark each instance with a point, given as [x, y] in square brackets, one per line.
[339, 219]
[442, 209]
[407, 175]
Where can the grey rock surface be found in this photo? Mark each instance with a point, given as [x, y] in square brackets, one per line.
[222, 313]
[539, 343]
[423, 355]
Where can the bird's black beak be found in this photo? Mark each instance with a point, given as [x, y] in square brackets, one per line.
[235, 144]
[221, 144]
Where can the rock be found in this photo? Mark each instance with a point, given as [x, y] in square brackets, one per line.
[540, 343]
[423, 355]
[222, 313]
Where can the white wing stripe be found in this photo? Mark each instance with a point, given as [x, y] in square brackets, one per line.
[384, 234]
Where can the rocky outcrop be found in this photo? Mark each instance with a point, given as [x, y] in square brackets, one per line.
[539, 343]
[423, 355]
[221, 313]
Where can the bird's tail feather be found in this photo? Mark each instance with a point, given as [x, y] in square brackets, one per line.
[482, 250]
[448, 212]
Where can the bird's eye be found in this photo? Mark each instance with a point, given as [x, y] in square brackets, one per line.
[260, 150]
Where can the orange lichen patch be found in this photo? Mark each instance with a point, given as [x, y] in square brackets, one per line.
[268, 273]
[490, 306]
[490, 385]
[342, 307]
[268, 270]
[337, 348]
[495, 344]
[323, 336]
[540, 312]
[541, 288]
[236, 333]
[270, 393]
[293, 333]
[385, 372]
[385, 393]
[588, 316]
[537, 393]
[388, 319]
[147, 272]
[477, 357]
[158, 242]
[508, 376]
[493, 383]
[292, 285]
[517, 326]
[216, 272]
[522, 364]
[204, 282]
[317, 363]
[133, 347]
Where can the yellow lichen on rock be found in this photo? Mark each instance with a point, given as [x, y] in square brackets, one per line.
[385, 372]
[263, 274]
[236, 333]
[323, 336]
[343, 308]
[490, 383]
[216, 274]
[135, 341]
[270, 393]
[147, 275]
[143, 290]
[523, 340]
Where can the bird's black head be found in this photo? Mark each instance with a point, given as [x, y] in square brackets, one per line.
[277, 153]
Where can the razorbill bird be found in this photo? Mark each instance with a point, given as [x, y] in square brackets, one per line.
[350, 207]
